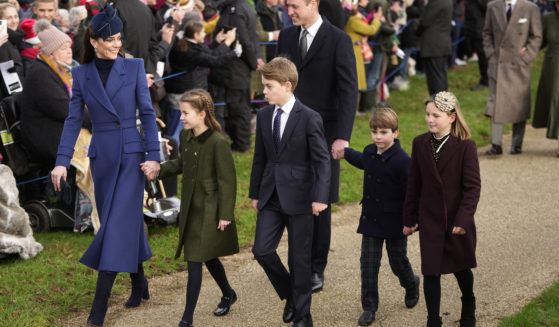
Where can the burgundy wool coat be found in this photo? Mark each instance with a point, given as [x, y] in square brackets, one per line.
[440, 196]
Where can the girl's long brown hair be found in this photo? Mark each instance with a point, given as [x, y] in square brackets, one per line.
[201, 100]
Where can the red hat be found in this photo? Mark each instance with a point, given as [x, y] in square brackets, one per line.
[27, 26]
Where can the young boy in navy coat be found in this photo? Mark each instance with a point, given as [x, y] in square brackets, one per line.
[386, 167]
[289, 183]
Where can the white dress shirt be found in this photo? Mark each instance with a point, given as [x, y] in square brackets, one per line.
[287, 107]
[513, 4]
[311, 32]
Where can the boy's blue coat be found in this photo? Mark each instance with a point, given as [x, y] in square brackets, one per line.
[115, 152]
[384, 189]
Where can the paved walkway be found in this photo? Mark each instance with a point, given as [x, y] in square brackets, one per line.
[517, 225]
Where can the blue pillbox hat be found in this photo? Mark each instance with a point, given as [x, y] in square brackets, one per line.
[106, 23]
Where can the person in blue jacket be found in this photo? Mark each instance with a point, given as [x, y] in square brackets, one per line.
[112, 88]
[386, 167]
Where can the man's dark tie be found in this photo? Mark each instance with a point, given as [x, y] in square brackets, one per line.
[509, 11]
[303, 43]
[276, 133]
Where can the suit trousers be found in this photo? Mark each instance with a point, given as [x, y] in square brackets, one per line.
[235, 116]
[436, 73]
[477, 46]
[371, 254]
[270, 224]
[518, 130]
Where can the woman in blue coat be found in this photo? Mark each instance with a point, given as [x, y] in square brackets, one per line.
[112, 88]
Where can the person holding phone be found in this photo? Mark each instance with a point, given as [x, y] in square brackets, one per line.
[10, 39]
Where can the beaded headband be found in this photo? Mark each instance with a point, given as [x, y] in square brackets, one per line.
[445, 101]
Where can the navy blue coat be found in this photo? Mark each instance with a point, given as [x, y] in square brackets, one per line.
[115, 154]
[327, 82]
[384, 189]
[300, 170]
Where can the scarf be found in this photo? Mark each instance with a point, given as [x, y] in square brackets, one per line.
[59, 70]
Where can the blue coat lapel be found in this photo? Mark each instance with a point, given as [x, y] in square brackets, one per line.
[116, 79]
[96, 89]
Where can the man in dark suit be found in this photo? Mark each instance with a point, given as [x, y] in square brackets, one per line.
[475, 19]
[435, 43]
[289, 183]
[328, 84]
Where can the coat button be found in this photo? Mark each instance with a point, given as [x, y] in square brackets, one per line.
[375, 220]
[369, 176]
[367, 197]
[364, 217]
[117, 125]
[377, 200]
[378, 180]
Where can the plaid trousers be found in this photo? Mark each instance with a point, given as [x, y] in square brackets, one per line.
[371, 254]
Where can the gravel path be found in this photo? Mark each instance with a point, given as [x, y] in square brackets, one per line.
[517, 235]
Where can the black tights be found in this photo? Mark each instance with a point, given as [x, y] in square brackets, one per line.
[432, 290]
[195, 282]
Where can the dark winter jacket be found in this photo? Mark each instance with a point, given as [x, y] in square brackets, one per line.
[44, 108]
[9, 51]
[195, 61]
[384, 189]
[237, 75]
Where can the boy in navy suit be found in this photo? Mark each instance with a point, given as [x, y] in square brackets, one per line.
[289, 183]
[386, 167]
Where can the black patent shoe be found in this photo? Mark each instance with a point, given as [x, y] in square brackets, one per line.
[288, 311]
[412, 294]
[317, 282]
[516, 150]
[367, 318]
[225, 304]
[185, 324]
[495, 150]
[305, 322]
[434, 321]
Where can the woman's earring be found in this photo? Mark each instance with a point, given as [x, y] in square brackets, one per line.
[95, 49]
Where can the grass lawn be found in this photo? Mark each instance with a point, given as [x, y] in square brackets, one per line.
[42, 290]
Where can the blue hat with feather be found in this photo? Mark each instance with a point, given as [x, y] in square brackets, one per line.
[106, 23]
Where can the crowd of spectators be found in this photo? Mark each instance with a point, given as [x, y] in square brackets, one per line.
[219, 45]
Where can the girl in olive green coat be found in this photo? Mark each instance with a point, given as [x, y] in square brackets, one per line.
[206, 223]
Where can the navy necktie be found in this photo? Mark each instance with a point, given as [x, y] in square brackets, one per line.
[276, 133]
[509, 11]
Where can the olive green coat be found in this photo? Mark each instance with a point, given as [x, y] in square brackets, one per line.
[546, 113]
[208, 194]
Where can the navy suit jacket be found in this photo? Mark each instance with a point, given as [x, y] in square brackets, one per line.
[300, 170]
[384, 189]
[327, 76]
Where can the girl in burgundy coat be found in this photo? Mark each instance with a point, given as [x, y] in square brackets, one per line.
[441, 199]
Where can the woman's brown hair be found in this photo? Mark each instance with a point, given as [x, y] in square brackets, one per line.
[88, 52]
[189, 30]
[201, 100]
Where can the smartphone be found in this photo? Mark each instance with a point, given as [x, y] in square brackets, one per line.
[3, 26]
[170, 21]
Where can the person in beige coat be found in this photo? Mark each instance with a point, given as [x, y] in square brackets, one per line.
[511, 40]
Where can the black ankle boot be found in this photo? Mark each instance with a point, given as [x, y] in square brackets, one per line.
[105, 281]
[140, 288]
[468, 316]
[434, 321]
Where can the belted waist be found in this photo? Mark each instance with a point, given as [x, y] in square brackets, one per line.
[114, 125]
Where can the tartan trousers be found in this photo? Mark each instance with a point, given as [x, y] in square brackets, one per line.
[371, 254]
